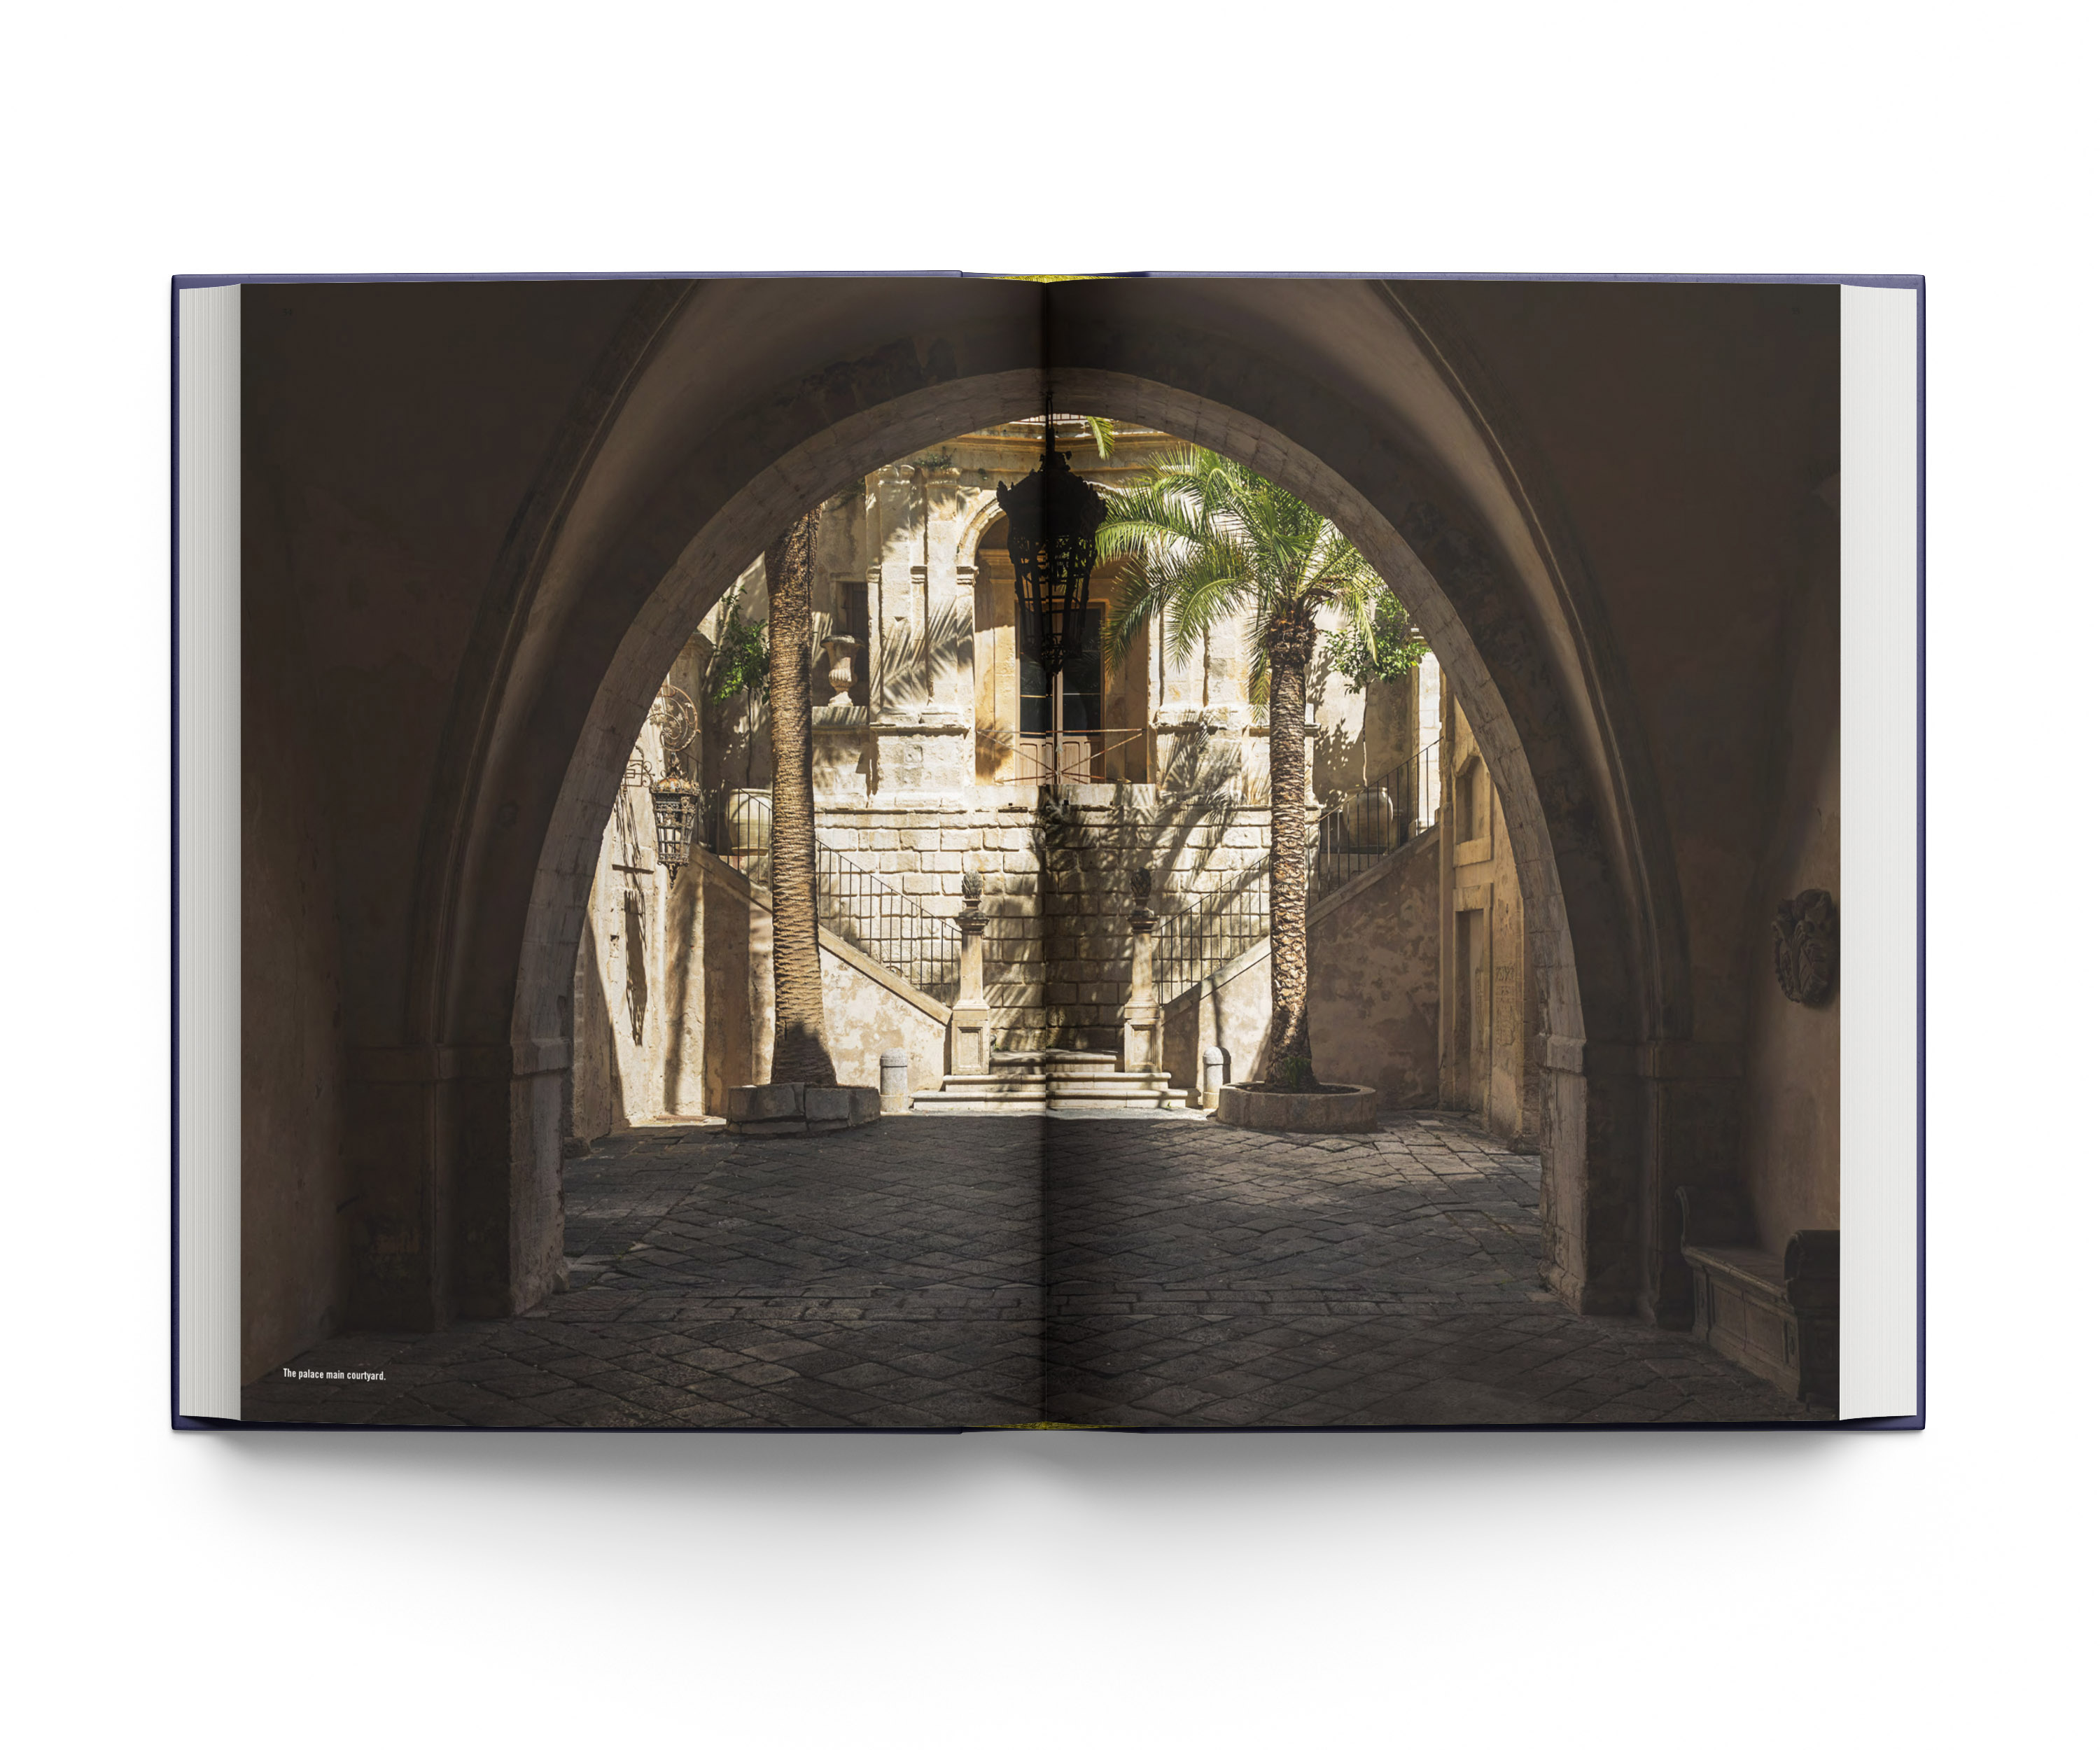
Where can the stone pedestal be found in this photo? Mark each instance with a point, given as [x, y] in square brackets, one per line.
[1139, 1042]
[969, 1021]
[796, 1109]
[1214, 1075]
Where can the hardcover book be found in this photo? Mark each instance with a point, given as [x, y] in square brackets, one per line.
[945, 853]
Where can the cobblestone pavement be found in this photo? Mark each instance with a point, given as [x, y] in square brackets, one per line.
[895, 1276]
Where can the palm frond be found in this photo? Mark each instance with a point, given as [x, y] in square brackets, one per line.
[1206, 540]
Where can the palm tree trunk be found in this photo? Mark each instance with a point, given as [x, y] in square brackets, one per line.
[1289, 642]
[798, 1053]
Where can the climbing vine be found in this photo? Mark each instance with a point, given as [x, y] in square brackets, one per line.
[741, 655]
[1384, 645]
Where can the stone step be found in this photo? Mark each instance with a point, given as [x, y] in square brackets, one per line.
[944, 1100]
[1162, 1100]
[994, 1080]
[1057, 1080]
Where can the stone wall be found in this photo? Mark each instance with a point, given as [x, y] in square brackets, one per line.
[1488, 1019]
[637, 1024]
[1194, 848]
[1372, 956]
[1791, 1080]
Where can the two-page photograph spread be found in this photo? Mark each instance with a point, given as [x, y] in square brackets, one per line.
[950, 852]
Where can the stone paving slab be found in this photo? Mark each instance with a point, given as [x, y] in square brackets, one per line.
[964, 1272]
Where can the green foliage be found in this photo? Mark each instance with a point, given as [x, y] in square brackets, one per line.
[935, 459]
[1381, 644]
[1295, 1072]
[742, 658]
[1103, 436]
[1210, 540]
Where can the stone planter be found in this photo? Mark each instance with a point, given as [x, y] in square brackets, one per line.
[1335, 1109]
[795, 1109]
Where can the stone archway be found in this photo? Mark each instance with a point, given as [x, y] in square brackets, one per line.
[682, 481]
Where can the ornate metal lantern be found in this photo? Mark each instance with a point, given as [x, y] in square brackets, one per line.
[676, 801]
[1052, 518]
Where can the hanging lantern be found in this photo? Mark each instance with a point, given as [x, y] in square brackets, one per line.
[1052, 518]
[676, 801]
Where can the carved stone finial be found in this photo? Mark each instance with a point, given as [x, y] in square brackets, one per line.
[1140, 884]
[1805, 946]
[970, 920]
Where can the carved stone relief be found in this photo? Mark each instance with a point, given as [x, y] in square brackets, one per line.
[1805, 946]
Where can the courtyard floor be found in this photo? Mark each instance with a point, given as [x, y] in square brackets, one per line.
[964, 1272]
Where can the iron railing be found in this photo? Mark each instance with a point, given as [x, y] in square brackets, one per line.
[1195, 942]
[855, 904]
[1353, 833]
[1364, 827]
[1085, 757]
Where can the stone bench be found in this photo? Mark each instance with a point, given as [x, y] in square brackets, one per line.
[1774, 1314]
[797, 1109]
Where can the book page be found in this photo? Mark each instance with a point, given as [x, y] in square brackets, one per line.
[1132, 853]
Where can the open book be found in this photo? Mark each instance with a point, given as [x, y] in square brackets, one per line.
[740, 863]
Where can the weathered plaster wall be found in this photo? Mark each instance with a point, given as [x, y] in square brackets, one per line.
[1375, 972]
[1373, 954]
[297, 1193]
[1790, 1163]
[864, 1017]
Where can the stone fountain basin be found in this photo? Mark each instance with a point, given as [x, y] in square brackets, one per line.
[1337, 1108]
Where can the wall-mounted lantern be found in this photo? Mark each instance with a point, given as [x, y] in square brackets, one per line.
[676, 801]
[675, 798]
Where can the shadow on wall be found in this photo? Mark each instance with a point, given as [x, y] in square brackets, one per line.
[597, 1100]
[931, 662]
[680, 997]
[1212, 764]
[634, 946]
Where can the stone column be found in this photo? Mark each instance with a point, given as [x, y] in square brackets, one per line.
[1141, 1040]
[969, 1022]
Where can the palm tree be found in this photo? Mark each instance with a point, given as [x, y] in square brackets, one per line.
[1208, 540]
[799, 1052]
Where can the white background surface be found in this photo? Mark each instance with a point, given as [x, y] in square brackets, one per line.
[1438, 1589]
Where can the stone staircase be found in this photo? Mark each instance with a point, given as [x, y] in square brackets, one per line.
[1054, 1081]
